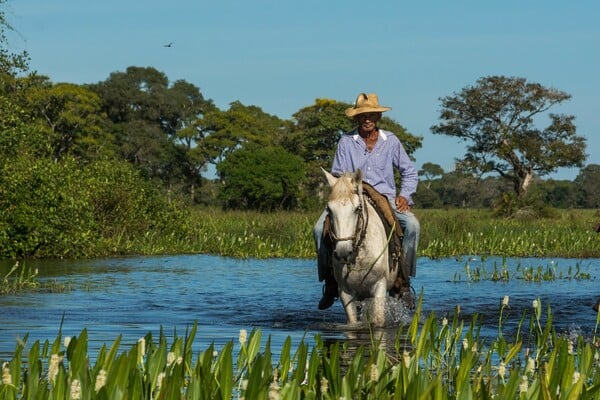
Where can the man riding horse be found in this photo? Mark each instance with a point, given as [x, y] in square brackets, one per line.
[377, 153]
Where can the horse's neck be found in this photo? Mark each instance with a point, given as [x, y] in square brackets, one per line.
[374, 226]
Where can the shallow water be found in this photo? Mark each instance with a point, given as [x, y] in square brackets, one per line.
[136, 295]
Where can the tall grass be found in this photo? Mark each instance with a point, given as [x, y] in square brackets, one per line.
[21, 278]
[569, 234]
[539, 273]
[18, 279]
[444, 233]
[428, 359]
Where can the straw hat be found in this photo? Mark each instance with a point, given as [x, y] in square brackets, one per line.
[366, 103]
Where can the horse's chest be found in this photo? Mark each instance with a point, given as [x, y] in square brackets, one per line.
[357, 278]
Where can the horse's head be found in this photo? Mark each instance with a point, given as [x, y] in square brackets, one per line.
[346, 212]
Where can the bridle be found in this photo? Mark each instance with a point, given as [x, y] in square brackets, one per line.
[360, 229]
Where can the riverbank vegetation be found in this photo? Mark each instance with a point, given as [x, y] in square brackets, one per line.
[251, 234]
[445, 233]
[430, 358]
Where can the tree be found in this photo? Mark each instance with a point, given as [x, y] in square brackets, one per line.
[430, 171]
[588, 186]
[11, 64]
[71, 116]
[558, 194]
[226, 131]
[497, 117]
[456, 189]
[158, 126]
[261, 178]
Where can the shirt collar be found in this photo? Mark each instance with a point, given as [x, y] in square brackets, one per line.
[382, 135]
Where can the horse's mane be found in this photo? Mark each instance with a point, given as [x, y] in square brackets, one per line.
[343, 188]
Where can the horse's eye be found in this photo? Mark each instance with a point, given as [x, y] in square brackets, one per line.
[358, 209]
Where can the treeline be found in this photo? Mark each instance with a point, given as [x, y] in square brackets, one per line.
[440, 189]
[171, 133]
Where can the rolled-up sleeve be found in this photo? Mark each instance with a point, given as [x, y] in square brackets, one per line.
[408, 173]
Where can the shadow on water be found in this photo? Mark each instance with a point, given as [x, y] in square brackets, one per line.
[137, 295]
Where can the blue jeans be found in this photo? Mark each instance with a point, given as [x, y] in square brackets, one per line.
[410, 227]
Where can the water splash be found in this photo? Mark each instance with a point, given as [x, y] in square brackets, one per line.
[396, 312]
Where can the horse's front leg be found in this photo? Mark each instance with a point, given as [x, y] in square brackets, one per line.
[377, 316]
[349, 306]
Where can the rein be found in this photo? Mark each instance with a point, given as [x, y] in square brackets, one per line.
[360, 230]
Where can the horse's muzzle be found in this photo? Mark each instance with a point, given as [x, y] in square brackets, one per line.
[344, 251]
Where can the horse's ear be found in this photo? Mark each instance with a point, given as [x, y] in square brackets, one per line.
[357, 177]
[330, 178]
[357, 181]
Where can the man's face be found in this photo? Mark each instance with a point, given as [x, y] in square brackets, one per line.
[367, 121]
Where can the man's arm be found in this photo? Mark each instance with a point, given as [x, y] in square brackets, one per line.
[409, 175]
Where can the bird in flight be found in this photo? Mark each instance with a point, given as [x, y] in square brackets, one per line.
[168, 44]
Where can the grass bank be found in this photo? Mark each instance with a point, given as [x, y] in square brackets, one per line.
[444, 233]
[246, 234]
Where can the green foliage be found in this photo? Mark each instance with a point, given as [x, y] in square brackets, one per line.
[19, 279]
[588, 186]
[240, 125]
[316, 132]
[64, 209]
[450, 233]
[560, 194]
[42, 205]
[251, 234]
[525, 207]
[431, 358]
[71, 117]
[261, 178]
[11, 64]
[430, 171]
[461, 189]
[156, 124]
[496, 118]
[531, 273]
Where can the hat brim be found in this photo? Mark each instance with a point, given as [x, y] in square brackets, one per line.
[351, 112]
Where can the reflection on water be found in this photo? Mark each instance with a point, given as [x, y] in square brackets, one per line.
[137, 295]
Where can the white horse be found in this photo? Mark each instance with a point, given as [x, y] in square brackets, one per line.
[360, 248]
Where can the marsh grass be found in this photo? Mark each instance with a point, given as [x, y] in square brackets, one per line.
[256, 235]
[430, 359]
[22, 279]
[477, 232]
[18, 279]
[531, 273]
[444, 233]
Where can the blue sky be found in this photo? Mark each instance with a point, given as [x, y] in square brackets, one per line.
[281, 55]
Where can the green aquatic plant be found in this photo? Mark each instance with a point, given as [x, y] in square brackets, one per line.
[527, 273]
[18, 279]
[23, 279]
[428, 359]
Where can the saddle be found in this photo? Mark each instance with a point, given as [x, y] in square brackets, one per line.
[393, 231]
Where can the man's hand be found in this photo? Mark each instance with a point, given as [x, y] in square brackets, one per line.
[402, 204]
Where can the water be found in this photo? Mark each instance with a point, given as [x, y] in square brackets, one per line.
[136, 295]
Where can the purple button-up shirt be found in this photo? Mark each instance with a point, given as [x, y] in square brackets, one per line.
[377, 165]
